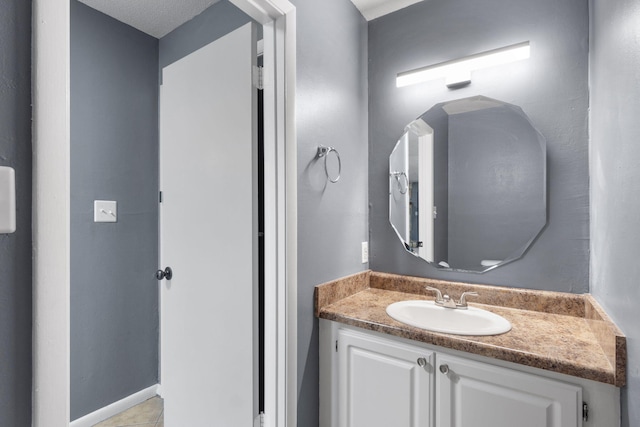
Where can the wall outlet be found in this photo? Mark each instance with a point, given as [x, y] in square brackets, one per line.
[365, 252]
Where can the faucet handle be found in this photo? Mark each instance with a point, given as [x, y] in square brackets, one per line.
[462, 303]
[438, 293]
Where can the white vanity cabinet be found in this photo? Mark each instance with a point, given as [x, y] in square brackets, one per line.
[383, 384]
[369, 379]
[470, 393]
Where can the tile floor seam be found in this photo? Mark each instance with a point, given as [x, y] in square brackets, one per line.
[159, 417]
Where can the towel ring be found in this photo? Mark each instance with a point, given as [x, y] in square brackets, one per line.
[397, 176]
[324, 152]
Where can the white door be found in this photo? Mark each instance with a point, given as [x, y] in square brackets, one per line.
[209, 235]
[474, 394]
[383, 384]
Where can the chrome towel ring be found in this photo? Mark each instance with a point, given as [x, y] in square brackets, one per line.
[324, 152]
[397, 175]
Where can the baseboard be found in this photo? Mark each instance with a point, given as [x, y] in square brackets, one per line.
[115, 408]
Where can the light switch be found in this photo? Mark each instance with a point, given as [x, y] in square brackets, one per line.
[7, 200]
[105, 211]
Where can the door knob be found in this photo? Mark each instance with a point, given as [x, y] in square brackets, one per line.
[444, 369]
[166, 274]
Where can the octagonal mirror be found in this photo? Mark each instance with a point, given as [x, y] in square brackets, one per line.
[467, 184]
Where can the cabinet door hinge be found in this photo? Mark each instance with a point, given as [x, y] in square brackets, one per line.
[258, 77]
[160, 197]
[585, 411]
[336, 346]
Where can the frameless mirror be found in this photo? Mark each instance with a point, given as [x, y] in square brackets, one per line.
[467, 184]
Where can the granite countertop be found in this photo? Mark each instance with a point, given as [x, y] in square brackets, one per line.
[565, 333]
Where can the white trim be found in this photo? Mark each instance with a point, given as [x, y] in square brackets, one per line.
[270, 223]
[281, 199]
[115, 408]
[51, 213]
[279, 20]
[290, 261]
[51, 281]
[264, 11]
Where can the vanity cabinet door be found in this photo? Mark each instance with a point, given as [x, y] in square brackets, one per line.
[475, 394]
[382, 383]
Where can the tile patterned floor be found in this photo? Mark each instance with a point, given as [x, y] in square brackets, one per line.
[147, 414]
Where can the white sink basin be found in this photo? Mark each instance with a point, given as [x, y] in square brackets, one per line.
[427, 315]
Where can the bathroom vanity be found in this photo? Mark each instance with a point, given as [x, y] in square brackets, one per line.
[560, 365]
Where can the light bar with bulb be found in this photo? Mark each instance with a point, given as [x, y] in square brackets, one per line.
[457, 72]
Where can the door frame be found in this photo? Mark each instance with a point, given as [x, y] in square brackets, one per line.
[51, 210]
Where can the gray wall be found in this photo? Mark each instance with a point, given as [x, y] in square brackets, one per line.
[551, 87]
[114, 156]
[496, 185]
[15, 249]
[331, 109]
[615, 177]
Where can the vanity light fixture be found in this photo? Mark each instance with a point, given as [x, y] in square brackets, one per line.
[457, 72]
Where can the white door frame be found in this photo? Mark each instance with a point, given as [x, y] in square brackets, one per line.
[51, 210]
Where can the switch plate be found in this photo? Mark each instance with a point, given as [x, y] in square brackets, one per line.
[7, 200]
[105, 211]
[365, 252]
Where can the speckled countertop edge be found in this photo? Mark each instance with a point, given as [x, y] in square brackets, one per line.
[574, 335]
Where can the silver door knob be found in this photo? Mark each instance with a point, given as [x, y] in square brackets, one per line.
[166, 274]
[422, 362]
[444, 369]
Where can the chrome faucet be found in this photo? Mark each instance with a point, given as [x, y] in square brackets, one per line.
[448, 302]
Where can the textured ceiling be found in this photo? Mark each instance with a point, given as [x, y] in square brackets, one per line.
[154, 17]
[372, 9]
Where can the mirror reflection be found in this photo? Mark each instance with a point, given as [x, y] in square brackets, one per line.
[467, 184]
